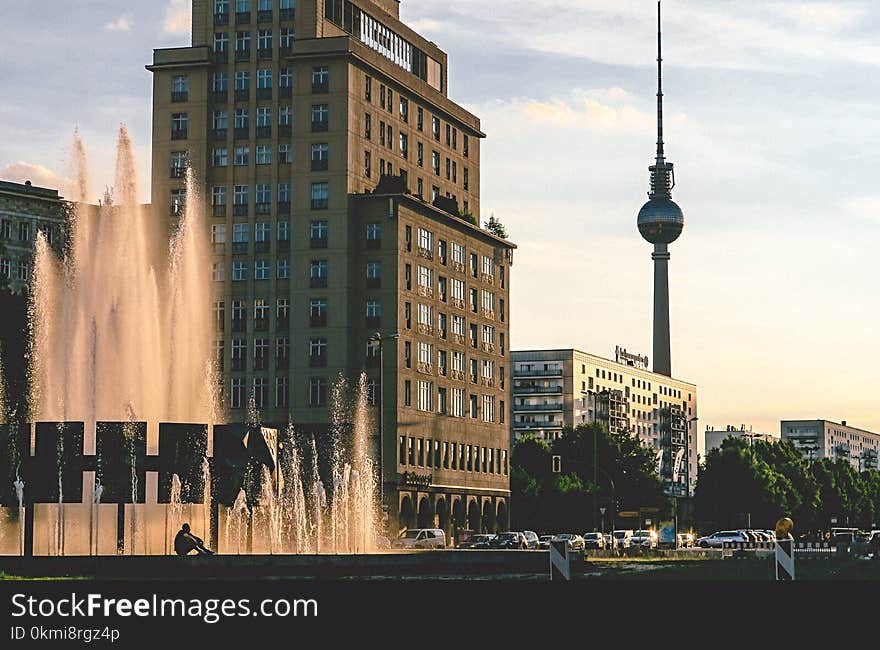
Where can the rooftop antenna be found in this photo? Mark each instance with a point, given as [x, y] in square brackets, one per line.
[662, 174]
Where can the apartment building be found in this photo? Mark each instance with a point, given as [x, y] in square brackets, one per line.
[834, 440]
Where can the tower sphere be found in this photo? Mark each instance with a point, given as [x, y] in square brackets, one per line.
[661, 221]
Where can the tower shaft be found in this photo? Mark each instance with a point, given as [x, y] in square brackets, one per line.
[662, 350]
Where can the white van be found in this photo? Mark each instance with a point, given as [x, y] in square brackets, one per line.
[622, 538]
[421, 538]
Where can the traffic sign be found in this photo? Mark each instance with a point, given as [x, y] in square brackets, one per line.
[626, 514]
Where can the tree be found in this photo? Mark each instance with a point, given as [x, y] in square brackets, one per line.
[496, 227]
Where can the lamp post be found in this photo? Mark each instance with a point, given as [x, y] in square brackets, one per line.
[379, 398]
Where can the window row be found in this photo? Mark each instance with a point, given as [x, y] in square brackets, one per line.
[240, 394]
[241, 157]
[425, 452]
[453, 364]
[263, 195]
[478, 266]
[453, 327]
[262, 311]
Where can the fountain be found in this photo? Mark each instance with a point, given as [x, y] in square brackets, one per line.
[120, 342]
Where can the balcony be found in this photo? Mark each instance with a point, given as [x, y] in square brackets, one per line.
[372, 322]
[220, 56]
[264, 208]
[522, 372]
[283, 245]
[320, 126]
[219, 249]
[282, 323]
[552, 408]
[318, 320]
[264, 131]
[242, 55]
[243, 18]
[262, 246]
[241, 133]
[264, 93]
[538, 426]
[238, 363]
[320, 204]
[287, 14]
[285, 50]
[283, 208]
[179, 134]
[371, 361]
[374, 244]
[320, 87]
[261, 324]
[220, 96]
[285, 92]
[282, 363]
[537, 390]
[179, 97]
[240, 248]
[264, 16]
[318, 361]
[285, 130]
[239, 325]
[240, 210]
[318, 242]
[219, 134]
[318, 283]
[264, 54]
[374, 283]
[221, 19]
[178, 172]
[219, 209]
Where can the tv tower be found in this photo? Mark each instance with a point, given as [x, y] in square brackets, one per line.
[661, 222]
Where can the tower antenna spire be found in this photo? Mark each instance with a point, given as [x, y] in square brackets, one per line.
[660, 153]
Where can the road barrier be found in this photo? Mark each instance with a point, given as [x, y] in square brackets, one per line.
[801, 549]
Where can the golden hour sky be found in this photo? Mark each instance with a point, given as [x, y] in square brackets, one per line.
[772, 121]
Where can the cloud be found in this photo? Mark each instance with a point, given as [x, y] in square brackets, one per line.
[178, 17]
[38, 175]
[122, 24]
[866, 208]
[820, 16]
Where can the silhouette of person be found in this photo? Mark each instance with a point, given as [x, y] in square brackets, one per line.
[185, 542]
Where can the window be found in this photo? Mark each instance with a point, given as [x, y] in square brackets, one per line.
[221, 123]
[284, 193]
[368, 88]
[320, 118]
[218, 196]
[368, 162]
[448, 134]
[407, 393]
[374, 275]
[426, 396]
[317, 392]
[407, 353]
[283, 272]
[404, 146]
[282, 392]
[236, 396]
[178, 164]
[220, 157]
[241, 120]
[420, 151]
[457, 409]
[320, 156]
[217, 274]
[318, 233]
[239, 271]
[179, 88]
[426, 316]
[286, 39]
[179, 126]
[458, 327]
[264, 156]
[285, 155]
[283, 231]
[426, 240]
[426, 277]
[218, 237]
[404, 109]
[435, 127]
[318, 313]
[239, 354]
[466, 180]
[426, 356]
[368, 126]
[374, 308]
[264, 43]
[441, 401]
[261, 353]
[264, 117]
[285, 78]
[285, 116]
[465, 148]
[472, 410]
[242, 156]
[221, 42]
[317, 353]
[318, 274]
[488, 369]
[435, 162]
[488, 302]
[243, 42]
[320, 79]
[320, 196]
[458, 256]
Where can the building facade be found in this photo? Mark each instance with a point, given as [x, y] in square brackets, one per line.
[714, 437]
[827, 439]
[553, 389]
[25, 210]
[340, 184]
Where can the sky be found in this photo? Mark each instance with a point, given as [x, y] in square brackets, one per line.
[772, 121]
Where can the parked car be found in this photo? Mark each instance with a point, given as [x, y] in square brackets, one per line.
[594, 540]
[685, 540]
[531, 539]
[717, 539]
[544, 541]
[509, 540]
[644, 539]
[421, 538]
[574, 541]
[477, 541]
[622, 538]
[609, 540]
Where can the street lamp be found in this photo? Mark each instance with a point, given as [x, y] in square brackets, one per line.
[379, 340]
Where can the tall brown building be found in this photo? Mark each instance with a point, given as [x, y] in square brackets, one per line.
[343, 192]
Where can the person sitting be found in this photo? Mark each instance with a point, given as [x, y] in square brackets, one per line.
[185, 542]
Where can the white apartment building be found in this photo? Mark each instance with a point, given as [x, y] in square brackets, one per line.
[714, 437]
[552, 389]
[827, 439]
